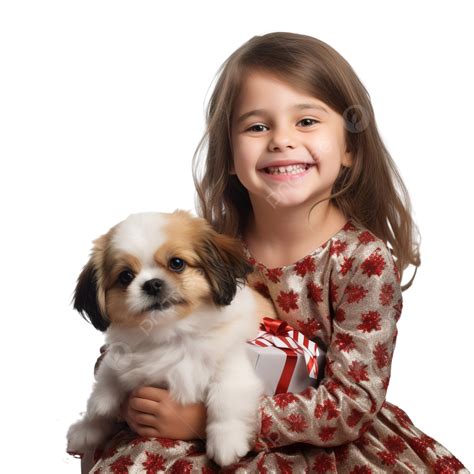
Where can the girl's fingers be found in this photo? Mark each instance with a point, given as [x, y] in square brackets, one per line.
[147, 431]
[145, 419]
[150, 393]
[144, 405]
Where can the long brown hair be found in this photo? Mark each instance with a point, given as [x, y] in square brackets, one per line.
[371, 191]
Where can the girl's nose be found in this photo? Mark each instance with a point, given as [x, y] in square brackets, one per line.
[281, 139]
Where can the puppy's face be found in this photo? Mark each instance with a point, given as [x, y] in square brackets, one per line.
[159, 264]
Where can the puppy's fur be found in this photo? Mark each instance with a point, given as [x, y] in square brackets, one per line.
[169, 292]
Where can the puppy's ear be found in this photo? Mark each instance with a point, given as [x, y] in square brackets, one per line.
[224, 264]
[89, 296]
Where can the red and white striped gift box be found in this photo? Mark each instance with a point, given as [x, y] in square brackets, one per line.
[285, 359]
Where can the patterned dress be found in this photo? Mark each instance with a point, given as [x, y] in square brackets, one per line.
[346, 296]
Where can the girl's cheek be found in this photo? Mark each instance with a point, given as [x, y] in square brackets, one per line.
[322, 148]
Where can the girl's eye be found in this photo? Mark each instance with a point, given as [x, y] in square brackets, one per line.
[252, 128]
[310, 120]
[176, 264]
[126, 277]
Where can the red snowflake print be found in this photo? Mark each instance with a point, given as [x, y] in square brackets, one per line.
[262, 289]
[181, 466]
[370, 322]
[398, 308]
[282, 400]
[329, 407]
[207, 470]
[323, 463]
[361, 470]
[341, 452]
[304, 266]
[350, 391]
[396, 273]
[387, 458]
[315, 292]
[287, 300]
[366, 237]
[385, 382]
[365, 427]
[346, 265]
[361, 442]
[373, 265]
[345, 342]
[252, 261]
[284, 466]
[421, 444]
[309, 328]
[307, 393]
[381, 355]
[168, 442]
[337, 247]
[349, 226]
[400, 415]
[139, 440]
[109, 453]
[326, 433]
[333, 291]
[296, 423]
[354, 418]
[120, 466]
[447, 465]
[394, 444]
[386, 294]
[274, 274]
[154, 463]
[266, 423]
[340, 315]
[355, 293]
[261, 469]
[358, 371]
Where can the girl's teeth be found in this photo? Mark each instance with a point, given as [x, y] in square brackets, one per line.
[292, 169]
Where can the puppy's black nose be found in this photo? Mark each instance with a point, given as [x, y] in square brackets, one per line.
[153, 286]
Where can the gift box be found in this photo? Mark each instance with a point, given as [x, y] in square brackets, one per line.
[283, 358]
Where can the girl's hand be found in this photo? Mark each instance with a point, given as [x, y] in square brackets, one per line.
[151, 412]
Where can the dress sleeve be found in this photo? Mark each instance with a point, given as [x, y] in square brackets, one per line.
[366, 304]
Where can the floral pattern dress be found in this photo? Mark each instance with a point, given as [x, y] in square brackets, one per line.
[346, 296]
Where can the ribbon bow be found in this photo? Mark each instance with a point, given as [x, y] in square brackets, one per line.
[278, 333]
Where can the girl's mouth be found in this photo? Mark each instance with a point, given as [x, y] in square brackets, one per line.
[287, 172]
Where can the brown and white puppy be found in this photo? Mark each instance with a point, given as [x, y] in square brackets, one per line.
[169, 293]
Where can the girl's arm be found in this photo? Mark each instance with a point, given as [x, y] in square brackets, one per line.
[367, 303]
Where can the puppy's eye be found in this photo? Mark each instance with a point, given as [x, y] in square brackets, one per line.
[126, 277]
[176, 264]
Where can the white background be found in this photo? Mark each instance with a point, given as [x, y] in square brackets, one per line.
[101, 108]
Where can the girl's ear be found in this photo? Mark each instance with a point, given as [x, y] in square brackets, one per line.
[224, 264]
[347, 158]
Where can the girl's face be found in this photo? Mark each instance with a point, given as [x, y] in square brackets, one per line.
[274, 125]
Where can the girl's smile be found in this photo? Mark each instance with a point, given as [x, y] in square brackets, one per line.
[284, 172]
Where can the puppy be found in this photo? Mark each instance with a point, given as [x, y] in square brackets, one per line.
[169, 293]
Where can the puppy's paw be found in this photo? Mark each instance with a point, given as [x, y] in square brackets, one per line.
[84, 435]
[227, 442]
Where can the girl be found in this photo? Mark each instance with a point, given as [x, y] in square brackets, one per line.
[296, 169]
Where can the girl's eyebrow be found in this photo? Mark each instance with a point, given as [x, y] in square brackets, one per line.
[297, 106]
